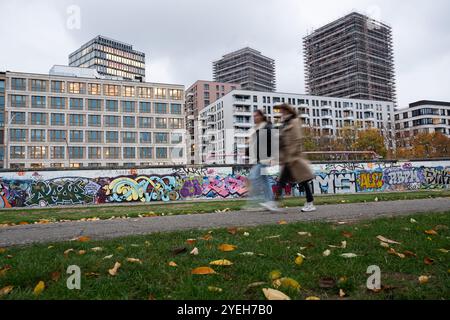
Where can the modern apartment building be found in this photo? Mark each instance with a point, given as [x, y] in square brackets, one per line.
[422, 117]
[224, 125]
[110, 58]
[248, 67]
[198, 96]
[351, 57]
[73, 121]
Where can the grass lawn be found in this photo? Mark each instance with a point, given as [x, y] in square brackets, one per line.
[105, 212]
[273, 247]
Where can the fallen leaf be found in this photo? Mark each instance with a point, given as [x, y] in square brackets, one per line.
[2, 250]
[97, 249]
[272, 294]
[312, 298]
[247, 254]
[55, 276]
[409, 254]
[282, 222]
[400, 255]
[342, 293]
[413, 220]
[203, 271]
[207, 237]
[227, 247]
[383, 239]
[222, 262]
[6, 290]
[92, 274]
[289, 283]
[134, 260]
[443, 250]
[274, 275]
[232, 231]
[347, 234]
[349, 255]
[327, 283]
[305, 234]
[115, 269]
[9, 256]
[384, 244]
[299, 260]
[178, 251]
[255, 284]
[273, 237]
[120, 248]
[428, 261]
[81, 252]
[50, 247]
[4, 270]
[194, 252]
[326, 253]
[66, 253]
[214, 289]
[108, 257]
[423, 279]
[39, 288]
[191, 241]
[172, 264]
[431, 232]
[23, 223]
[83, 239]
[246, 234]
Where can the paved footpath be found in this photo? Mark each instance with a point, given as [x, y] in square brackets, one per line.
[107, 229]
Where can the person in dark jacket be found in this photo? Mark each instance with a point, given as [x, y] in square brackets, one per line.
[295, 169]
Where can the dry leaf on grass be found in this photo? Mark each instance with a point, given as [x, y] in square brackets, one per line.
[55, 276]
[6, 290]
[81, 252]
[247, 254]
[108, 257]
[299, 260]
[39, 288]
[115, 269]
[384, 244]
[214, 289]
[393, 252]
[2, 250]
[409, 254]
[342, 246]
[92, 274]
[326, 253]
[227, 247]
[222, 262]
[428, 261]
[289, 283]
[246, 234]
[82, 239]
[232, 231]
[4, 270]
[97, 249]
[66, 253]
[191, 241]
[274, 275]
[207, 237]
[312, 298]
[272, 294]
[203, 271]
[383, 239]
[431, 232]
[423, 279]
[305, 234]
[342, 293]
[134, 260]
[443, 250]
[282, 222]
[349, 255]
[347, 234]
[194, 252]
[172, 264]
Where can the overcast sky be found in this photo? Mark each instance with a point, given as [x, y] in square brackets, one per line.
[181, 38]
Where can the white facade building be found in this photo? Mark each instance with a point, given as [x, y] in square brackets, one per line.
[223, 126]
[422, 117]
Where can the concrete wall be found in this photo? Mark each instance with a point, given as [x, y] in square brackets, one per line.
[54, 188]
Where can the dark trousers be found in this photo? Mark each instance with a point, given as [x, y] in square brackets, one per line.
[286, 177]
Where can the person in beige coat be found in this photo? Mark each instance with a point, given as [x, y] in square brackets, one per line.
[294, 168]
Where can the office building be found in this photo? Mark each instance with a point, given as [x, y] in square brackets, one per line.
[422, 117]
[110, 58]
[54, 120]
[224, 125]
[248, 67]
[199, 95]
[351, 57]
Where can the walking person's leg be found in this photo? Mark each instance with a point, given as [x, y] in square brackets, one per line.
[309, 206]
[269, 203]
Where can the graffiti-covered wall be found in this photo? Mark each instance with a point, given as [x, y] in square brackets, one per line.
[54, 188]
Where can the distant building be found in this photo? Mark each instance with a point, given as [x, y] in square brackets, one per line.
[422, 117]
[223, 126]
[198, 96]
[352, 57]
[249, 68]
[110, 58]
[73, 119]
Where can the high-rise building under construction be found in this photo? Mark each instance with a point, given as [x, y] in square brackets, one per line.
[351, 57]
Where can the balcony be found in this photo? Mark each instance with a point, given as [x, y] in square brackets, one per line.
[328, 115]
[304, 115]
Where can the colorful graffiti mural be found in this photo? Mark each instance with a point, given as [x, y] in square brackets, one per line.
[53, 188]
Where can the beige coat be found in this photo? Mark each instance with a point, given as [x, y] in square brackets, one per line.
[291, 152]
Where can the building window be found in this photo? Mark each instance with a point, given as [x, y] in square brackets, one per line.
[58, 119]
[38, 85]
[76, 120]
[38, 102]
[95, 152]
[17, 152]
[111, 90]
[129, 91]
[145, 93]
[17, 118]
[175, 94]
[94, 105]
[2, 86]
[160, 93]
[19, 135]
[145, 107]
[128, 106]
[76, 152]
[58, 86]
[175, 108]
[38, 118]
[128, 137]
[112, 137]
[76, 136]
[94, 136]
[111, 121]
[206, 87]
[176, 153]
[175, 123]
[94, 89]
[77, 88]
[129, 152]
[161, 153]
[57, 135]
[18, 84]
[37, 135]
[58, 103]
[145, 122]
[145, 137]
[57, 152]
[37, 152]
[18, 101]
[161, 108]
[112, 105]
[160, 123]
[76, 104]
[145, 152]
[129, 122]
[176, 138]
[161, 137]
[94, 120]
